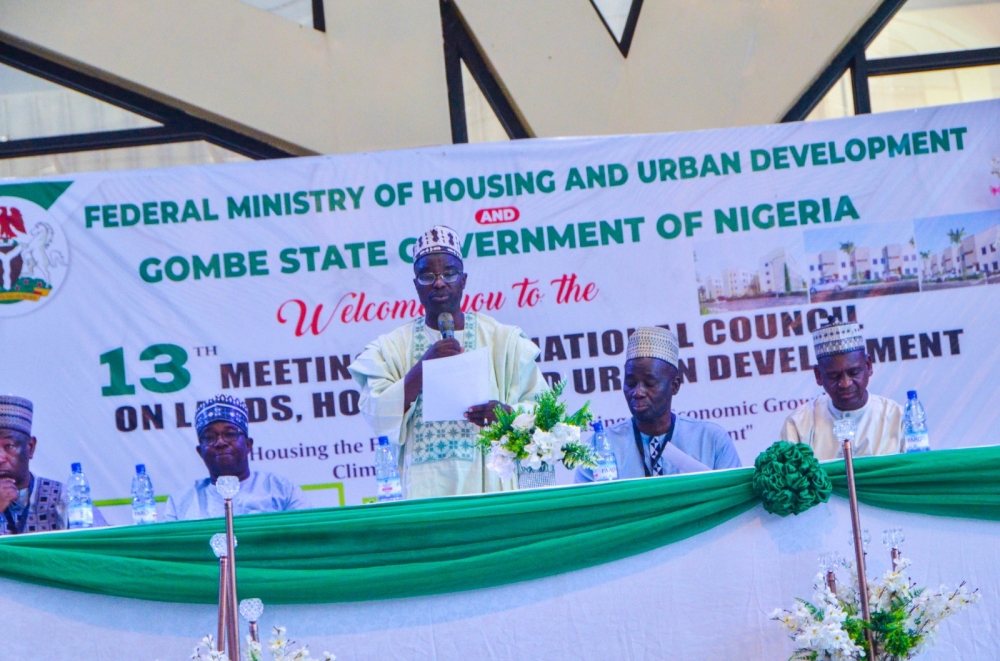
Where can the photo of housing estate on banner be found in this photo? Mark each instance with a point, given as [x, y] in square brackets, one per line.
[849, 261]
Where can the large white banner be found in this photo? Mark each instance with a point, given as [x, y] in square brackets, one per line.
[126, 298]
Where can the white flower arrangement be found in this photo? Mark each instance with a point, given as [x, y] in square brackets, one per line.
[904, 618]
[279, 646]
[537, 438]
[817, 627]
[205, 651]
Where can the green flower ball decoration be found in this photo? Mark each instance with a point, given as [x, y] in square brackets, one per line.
[789, 480]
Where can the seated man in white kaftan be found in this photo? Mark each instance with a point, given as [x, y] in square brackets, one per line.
[28, 502]
[843, 369]
[440, 458]
[656, 441]
[224, 445]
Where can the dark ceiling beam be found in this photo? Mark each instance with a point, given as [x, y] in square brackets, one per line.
[933, 62]
[175, 121]
[460, 46]
[852, 56]
[61, 144]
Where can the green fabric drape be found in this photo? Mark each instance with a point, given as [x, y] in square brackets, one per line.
[463, 543]
[957, 483]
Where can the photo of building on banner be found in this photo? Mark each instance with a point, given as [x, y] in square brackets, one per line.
[860, 261]
[959, 251]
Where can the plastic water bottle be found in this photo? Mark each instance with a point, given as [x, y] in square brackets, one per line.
[915, 438]
[387, 472]
[607, 467]
[80, 508]
[143, 499]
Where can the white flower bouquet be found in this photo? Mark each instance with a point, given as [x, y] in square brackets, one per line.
[904, 618]
[536, 439]
[279, 646]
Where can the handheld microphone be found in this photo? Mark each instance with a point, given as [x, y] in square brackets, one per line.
[446, 324]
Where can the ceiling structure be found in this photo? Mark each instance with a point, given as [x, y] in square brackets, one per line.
[268, 78]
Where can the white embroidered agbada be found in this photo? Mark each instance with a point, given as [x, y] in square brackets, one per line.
[879, 427]
[440, 458]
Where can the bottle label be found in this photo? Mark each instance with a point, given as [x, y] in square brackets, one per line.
[605, 471]
[916, 442]
[389, 489]
[143, 514]
[80, 517]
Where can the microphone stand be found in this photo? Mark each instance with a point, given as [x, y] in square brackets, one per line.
[251, 610]
[234, 623]
[845, 430]
[220, 545]
[228, 486]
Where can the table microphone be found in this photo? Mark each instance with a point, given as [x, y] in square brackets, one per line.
[446, 324]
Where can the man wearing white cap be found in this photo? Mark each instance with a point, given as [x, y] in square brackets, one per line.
[843, 368]
[28, 503]
[655, 441]
[441, 458]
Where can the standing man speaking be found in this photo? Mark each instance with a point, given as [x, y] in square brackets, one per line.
[441, 458]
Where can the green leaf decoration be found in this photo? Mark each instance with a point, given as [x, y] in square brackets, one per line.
[788, 479]
[548, 412]
[581, 418]
[578, 455]
[548, 409]
[502, 427]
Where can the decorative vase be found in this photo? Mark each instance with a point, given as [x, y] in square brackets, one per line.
[533, 478]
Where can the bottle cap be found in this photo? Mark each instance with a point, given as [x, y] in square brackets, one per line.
[911, 394]
[77, 467]
[383, 440]
[597, 425]
[140, 469]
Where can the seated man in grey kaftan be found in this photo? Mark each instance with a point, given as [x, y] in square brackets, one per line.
[655, 441]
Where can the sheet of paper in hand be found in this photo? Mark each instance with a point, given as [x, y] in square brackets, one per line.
[452, 385]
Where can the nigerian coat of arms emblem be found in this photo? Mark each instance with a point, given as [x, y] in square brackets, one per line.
[34, 256]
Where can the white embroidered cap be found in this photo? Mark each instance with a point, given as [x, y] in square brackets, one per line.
[837, 338]
[652, 342]
[438, 239]
[16, 413]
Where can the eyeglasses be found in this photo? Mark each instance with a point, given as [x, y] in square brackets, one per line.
[430, 278]
[209, 439]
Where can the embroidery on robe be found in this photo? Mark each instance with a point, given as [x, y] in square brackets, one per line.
[435, 441]
[43, 508]
[44, 514]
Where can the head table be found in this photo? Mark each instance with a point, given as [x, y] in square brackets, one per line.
[677, 567]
